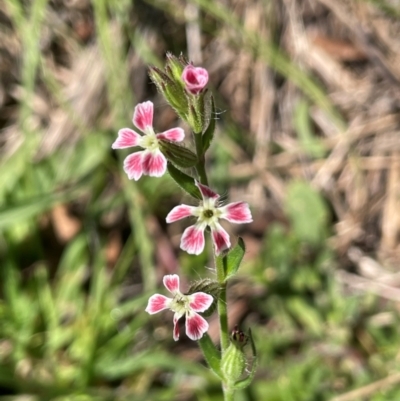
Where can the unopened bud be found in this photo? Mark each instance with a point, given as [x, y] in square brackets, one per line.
[175, 67]
[170, 88]
[233, 362]
[208, 286]
[194, 117]
[195, 79]
[178, 155]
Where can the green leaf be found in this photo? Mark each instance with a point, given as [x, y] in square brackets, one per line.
[186, 182]
[208, 133]
[211, 354]
[307, 211]
[241, 384]
[230, 263]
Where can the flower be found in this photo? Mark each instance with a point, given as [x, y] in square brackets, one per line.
[208, 214]
[195, 78]
[181, 304]
[149, 161]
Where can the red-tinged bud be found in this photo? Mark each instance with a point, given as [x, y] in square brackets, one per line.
[194, 78]
[233, 362]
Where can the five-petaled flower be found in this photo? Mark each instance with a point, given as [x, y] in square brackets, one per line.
[208, 214]
[181, 304]
[195, 78]
[149, 161]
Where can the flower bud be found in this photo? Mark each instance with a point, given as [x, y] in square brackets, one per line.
[233, 362]
[175, 66]
[195, 79]
[208, 286]
[178, 155]
[170, 88]
[194, 117]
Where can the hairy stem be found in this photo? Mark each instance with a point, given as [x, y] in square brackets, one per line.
[228, 394]
[200, 166]
[223, 318]
[222, 304]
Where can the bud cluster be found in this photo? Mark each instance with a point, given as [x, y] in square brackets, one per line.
[183, 86]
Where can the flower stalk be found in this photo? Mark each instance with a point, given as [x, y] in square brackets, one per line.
[183, 86]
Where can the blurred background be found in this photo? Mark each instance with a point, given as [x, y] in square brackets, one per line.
[308, 99]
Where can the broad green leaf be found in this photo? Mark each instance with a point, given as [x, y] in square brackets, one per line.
[230, 263]
[184, 181]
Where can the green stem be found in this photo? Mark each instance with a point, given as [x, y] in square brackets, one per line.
[222, 304]
[223, 318]
[228, 394]
[200, 166]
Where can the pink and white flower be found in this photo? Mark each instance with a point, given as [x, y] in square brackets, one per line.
[195, 78]
[149, 161]
[208, 214]
[181, 304]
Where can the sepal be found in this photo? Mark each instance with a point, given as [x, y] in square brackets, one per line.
[208, 121]
[194, 115]
[175, 66]
[243, 383]
[211, 287]
[234, 361]
[170, 88]
[178, 155]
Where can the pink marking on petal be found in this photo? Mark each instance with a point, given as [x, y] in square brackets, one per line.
[126, 139]
[195, 78]
[173, 135]
[200, 301]
[157, 303]
[175, 332]
[180, 212]
[171, 282]
[196, 326]
[133, 165]
[192, 240]
[220, 238]
[154, 163]
[143, 115]
[206, 192]
[236, 212]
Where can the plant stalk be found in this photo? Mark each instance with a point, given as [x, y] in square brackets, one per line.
[222, 304]
[200, 166]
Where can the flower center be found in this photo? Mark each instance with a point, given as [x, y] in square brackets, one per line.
[208, 213]
[180, 304]
[149, 141]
